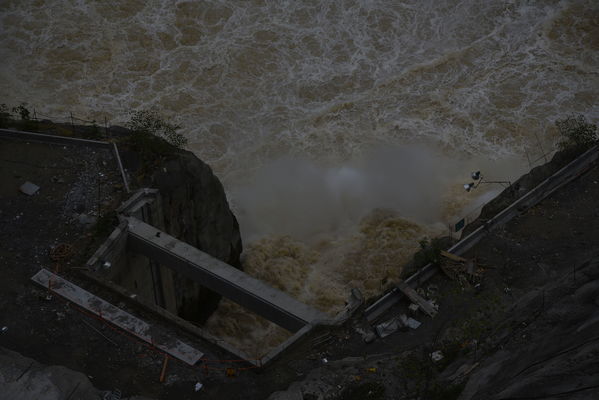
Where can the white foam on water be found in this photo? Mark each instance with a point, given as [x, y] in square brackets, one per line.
[320, 115]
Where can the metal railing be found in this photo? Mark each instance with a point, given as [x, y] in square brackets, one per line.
[27, 120]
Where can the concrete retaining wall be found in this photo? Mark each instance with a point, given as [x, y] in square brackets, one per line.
[541, 191]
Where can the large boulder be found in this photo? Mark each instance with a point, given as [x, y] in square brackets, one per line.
[196, 211]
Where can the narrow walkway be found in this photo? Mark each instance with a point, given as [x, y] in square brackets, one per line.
[220, 277]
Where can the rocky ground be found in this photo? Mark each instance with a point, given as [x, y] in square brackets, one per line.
[58, 228]
[527, 331]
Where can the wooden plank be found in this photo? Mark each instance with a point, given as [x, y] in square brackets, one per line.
[416, 298]
[117, 317]
[453, 257]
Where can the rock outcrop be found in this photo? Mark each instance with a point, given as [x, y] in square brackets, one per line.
[23, 378]
[196, 211]
[555, 354]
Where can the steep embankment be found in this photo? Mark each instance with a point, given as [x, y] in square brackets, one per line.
[24, 378]
[195, 210]
[548, 347]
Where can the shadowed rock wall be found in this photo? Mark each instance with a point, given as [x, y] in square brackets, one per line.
[196, 211]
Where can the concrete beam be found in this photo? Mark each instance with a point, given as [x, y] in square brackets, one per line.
[220, 277]
[118, 317]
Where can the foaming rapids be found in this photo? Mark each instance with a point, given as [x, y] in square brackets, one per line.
[299, 198]
[343, 131]
[317, 231]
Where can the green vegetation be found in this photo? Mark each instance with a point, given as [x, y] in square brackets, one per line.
[430, 252]
[148, 123]
[24, 123]
[4, 116]
[576, 132]
[22, 111]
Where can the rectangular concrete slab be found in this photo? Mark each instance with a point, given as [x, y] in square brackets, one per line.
[118, 317]
[220, 277]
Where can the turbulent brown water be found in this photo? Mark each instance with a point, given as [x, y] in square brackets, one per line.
[342, 130]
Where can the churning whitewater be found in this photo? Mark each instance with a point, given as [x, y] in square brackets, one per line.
[342, 130]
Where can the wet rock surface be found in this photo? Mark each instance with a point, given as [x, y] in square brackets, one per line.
[196, 211]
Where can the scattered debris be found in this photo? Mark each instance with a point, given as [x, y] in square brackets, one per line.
[356, 298]
[29, 188]
[413, 308]
[416, 298]
[453, 257]
[432, 290]
[198, 386]
[172, 379]
[60, 252]
[412, 323]
[386, 328]
[163, 371]
[85, 219]
[369, 337]
[461, 270]
[403, 321]
[437, 356]
[462, 372]
[322, 339]
[112, 395]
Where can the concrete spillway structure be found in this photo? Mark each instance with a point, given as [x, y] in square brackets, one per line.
[141, 261]
[220, 277]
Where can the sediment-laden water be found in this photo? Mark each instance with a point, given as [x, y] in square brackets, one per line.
[342, 130]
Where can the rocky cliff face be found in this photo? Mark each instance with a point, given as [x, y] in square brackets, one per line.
[549, 348]
[23, 378]
[196, 211]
